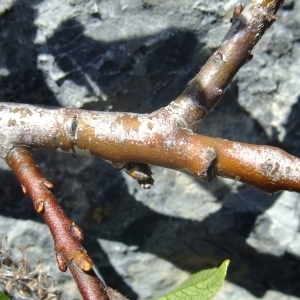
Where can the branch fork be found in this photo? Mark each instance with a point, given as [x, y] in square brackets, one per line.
[132, 142]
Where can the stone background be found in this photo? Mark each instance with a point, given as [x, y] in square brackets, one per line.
[138, 55]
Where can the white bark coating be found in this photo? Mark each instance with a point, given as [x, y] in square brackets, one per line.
[118, 138]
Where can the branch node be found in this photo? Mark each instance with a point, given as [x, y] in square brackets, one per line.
[237, 10]
[72, 128]
[219, 91]
[24, 190]
[76, 232]
[219, 57]
[250, 56]
[83, 261]
[186, 110]
[47, 183]
[61, 262]
[40, 206]
[208, 155]
[140, 172]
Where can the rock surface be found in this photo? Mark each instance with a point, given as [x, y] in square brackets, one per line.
[138, 55]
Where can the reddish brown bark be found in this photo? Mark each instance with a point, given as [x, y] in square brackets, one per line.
[131, 141]
[66, 235]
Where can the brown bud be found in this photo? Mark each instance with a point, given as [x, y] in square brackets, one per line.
[24, 189]
[138, 171]
[238, 10]
[40, 207]
[76, 232]
[47, 184]
[250, 56]
[61, 262]
[83, 261]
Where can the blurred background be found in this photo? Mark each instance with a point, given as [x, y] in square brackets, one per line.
[137, 56]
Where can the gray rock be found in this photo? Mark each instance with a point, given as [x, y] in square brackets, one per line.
[277, 228]
[134, 55]
[266, 94]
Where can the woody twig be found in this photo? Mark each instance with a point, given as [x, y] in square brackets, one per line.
[131, 142]
[66, 235]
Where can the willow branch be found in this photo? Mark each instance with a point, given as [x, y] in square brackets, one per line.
[206, 89]
[121, 138]
[66, 235]
[163, 138]
[132, 141]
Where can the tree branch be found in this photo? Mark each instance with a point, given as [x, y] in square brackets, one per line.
[121, 138]
[66, 235]
[164, 137]
[206, 89]
[132, 141]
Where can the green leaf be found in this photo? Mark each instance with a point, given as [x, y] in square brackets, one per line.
[4, 296]
[203, 285]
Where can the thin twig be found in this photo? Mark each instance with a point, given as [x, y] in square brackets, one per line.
[131, 141]
[66, 235]
[206, 89]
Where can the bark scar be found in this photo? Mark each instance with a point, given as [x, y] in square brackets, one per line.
[72, 128]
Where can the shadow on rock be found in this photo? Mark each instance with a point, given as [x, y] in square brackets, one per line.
[292, 138]
[127, 75]
[95, 195]
[24, 82]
